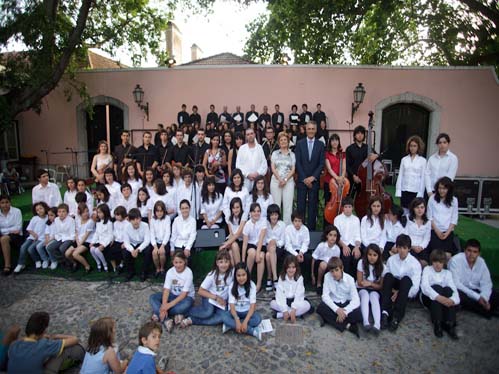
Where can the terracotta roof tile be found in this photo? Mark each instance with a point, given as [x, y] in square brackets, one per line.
[225, 58]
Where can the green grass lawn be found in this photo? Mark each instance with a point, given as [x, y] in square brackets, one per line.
[467, 228]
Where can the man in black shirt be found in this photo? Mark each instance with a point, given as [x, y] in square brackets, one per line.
[198, 149]
[195, 117]
[180, 155]
[305, 115]
[212, 116]
[147, 154]
[183, 117]
[156, 136]
[123, 153]
[252, 115]
[356, 153]
[238, 116]
[165, 148]
[269, 144]
[277, 120]
[264, 119]
[319, 116]
[225, 116]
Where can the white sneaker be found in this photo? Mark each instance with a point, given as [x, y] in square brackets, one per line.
[38, 264]
[53, 265]
[257, 333]
[19, 268]
[45, 264]
[225, 328]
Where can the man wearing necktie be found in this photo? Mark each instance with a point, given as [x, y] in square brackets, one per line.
[309, 164]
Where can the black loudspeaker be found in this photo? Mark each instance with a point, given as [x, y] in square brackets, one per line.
[466, 189]
[490, 195]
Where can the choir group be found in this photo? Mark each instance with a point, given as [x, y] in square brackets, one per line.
[150, 201]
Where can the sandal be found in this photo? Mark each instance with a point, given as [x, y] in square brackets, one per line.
[7, 271]
[178, 319]
[154, 318]
[186, 322]
[168, 325]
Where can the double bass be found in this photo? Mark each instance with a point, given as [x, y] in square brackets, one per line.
[338, 193]
[371, 175]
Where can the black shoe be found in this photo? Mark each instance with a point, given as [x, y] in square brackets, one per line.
[394, 325]
[274, 314]
[451, 331]
[354, 329]
[121, 269]
[375, 331]
[437, 329]
[319, 291]
[88, 270]
[74, 268]
[129, 277]
[385, 322]
[157, 274]
[143, 277]
[321, 320]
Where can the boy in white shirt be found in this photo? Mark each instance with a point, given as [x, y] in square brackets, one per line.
[297, 239]
[472, 278]
[340, 305]
[439, 294]
[349, 226]
[137, 240]
[127, 199]
[403, 273]
[64, 232]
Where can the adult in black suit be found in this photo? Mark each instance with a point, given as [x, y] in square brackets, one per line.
[309, 154]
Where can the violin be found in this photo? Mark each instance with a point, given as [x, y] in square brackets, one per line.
[338, 193]
[371, 175]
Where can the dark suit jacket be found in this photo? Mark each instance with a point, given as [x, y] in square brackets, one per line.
[305, 167]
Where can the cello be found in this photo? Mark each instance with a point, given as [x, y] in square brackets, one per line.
[371, 175]
[338, 193]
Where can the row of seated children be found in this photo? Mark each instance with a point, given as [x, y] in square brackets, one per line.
[39, 352]
[229, 296]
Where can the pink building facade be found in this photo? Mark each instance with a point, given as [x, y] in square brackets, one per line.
[464, 102]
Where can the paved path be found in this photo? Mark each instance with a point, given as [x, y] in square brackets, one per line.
[413, 349]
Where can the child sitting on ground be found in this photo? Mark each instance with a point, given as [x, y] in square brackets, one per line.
[142, 361]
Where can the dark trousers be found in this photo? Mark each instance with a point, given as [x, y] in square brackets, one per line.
[354, 188]
[114, 252]
[308, 197]
[327, 314]
[130, 260]
[446, 245]
[439, 312]
[473, 305]
[395, 309]
[349, 262]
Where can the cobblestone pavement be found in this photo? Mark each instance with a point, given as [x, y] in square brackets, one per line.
[73, 305]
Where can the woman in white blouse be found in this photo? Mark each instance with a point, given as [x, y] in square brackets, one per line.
[101, 161]
[411, 178]
[211, 205]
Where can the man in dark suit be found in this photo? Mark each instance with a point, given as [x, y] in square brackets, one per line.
[309, 154]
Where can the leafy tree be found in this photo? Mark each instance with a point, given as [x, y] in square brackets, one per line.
[435, 32]
[57, 34]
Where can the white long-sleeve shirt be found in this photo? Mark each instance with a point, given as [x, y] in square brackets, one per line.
[229, 195]
[64, 230]
[289, 288]
[186, 193]
[160, 230]
[438, 167]
[276, 233]
[183, 233]
[170, 200]
[324, 252]
[471, 279]
[296, 241]
[372, 234]
[441, 278]
[12, 221]
[103, 233]
[420, 235]
[83, 229]
[129, 203]
[409, 267]
[212, 208]
[119, 228]
[264, 204]
[37, 224]
[253, 230]
[349, 228]
[393, 230]
[50, 194]
[251, 160]
[442, 215]
[339, 292]
[137, 236]
[411, 176]
[69, 199]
